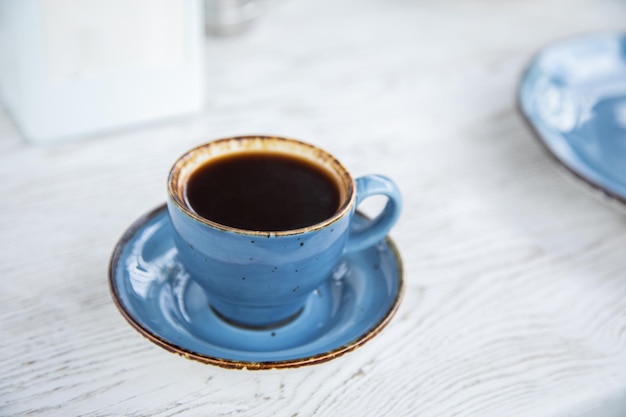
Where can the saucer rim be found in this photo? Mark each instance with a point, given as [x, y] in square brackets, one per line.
[567, 166]
[238, 364]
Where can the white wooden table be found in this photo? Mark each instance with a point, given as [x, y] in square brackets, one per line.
[516, 276]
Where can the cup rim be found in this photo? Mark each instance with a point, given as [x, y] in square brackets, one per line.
[345, 180]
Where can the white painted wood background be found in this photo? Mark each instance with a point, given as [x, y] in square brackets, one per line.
[516, 276]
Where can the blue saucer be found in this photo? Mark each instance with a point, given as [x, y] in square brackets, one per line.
[573, 95]
[156, 296]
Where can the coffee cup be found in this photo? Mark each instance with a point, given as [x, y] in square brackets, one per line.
[260, 222]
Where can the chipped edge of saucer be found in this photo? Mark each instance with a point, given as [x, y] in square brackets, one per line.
[598, 190]
[247, 365]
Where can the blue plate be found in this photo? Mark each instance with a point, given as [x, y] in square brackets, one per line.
[156, 296]
[573, 95]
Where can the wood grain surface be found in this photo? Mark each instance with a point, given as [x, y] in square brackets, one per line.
[516, 274]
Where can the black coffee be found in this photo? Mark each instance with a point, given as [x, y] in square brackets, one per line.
[262, 191]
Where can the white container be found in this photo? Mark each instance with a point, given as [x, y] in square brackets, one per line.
[70, 68]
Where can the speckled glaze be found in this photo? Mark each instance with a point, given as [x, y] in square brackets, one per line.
[573, 95]
[155, 294]
[261, 279]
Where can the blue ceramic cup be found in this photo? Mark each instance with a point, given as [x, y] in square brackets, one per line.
[262, 279]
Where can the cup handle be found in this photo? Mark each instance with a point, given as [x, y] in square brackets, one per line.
[376, 229]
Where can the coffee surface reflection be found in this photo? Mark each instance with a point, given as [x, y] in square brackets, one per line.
[262, 191]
